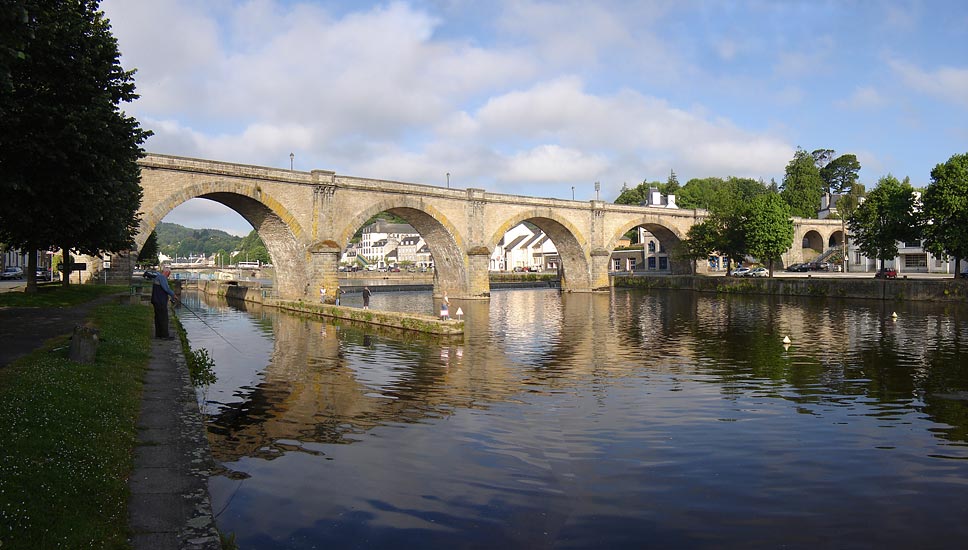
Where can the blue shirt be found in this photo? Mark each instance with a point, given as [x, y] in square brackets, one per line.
[162, 281]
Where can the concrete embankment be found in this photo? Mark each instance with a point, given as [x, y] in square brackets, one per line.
[944, 290]
[392, 319]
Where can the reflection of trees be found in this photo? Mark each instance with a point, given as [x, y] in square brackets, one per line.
[943, 381]
[841, 353]
[328, 384]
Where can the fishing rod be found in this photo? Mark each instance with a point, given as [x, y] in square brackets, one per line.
[217, 333]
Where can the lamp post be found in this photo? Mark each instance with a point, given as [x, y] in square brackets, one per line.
[572, 192]
[448, 180]
[291, 157]
[598, 186]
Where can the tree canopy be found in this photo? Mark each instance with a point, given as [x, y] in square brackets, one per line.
[768, 228]
[887, 215]
[802, 185]
[840, 173]
[68, 154]
[945, 210]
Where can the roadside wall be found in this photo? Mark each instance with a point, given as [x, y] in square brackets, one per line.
[944, 290]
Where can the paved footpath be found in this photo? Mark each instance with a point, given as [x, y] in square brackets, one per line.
[169, 506]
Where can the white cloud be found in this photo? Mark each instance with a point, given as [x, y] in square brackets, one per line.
[554, 164]
[947, 83]
[864, 97]
[377, 93]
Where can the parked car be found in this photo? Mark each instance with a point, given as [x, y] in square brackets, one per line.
[886, 273]
[12, 273]
[793, 267]
[758, 272]
[739, 271]
[43, 275]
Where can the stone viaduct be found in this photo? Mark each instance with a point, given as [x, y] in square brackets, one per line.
[306, 219]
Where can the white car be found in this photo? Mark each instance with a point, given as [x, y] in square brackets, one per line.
[758, 272]
[12, 273]
[739, 271]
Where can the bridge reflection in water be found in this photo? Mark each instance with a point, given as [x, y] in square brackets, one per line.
[593, 421]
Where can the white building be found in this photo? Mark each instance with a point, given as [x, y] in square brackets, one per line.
[524, 247]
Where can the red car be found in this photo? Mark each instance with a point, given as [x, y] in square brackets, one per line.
[886, 273]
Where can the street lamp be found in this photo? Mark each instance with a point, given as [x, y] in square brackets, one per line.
[597, 187]
[291, 157]
[448, 180]
[572, 192]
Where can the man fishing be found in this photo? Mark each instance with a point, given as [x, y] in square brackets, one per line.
[160, 294]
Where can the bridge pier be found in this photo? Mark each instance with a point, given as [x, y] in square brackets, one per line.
[599, 275]
[478, 275]
[323, 265]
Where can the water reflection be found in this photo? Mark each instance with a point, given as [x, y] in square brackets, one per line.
[583, 420]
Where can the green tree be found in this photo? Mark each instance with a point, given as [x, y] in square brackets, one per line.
[68, 154]
[149, 252]
[802, 185]
[821, 157]
[13, 39]
[840, 173]
[769, 229]
[672, 184]
[945, 210]
[700, 193]
[254, 249]
[887, 216]
[846, 206]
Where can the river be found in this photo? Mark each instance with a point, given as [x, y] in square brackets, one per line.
[629, 419]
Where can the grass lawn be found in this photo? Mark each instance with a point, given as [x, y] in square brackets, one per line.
[53, 295]
[67, 431]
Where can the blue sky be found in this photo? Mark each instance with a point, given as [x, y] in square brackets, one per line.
[533, 98]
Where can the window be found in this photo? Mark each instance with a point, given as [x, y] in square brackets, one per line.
[616, 264]
[663, 263]
[915, 260]
[651, 263]
[631, 264]
[914, 244]
[651, 247]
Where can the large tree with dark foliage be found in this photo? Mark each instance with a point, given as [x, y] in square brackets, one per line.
[945, 210]
[840, 173]
[68, 154]
[887, 216]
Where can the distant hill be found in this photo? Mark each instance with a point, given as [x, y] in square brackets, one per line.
[178, 240]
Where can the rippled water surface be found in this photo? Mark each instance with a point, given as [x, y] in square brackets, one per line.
[622, 420]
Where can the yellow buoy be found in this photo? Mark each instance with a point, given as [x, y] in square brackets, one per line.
[786, 339]
[894, 315]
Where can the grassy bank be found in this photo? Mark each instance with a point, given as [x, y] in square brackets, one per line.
[68, 434]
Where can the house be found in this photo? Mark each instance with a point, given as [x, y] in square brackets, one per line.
[524, 247]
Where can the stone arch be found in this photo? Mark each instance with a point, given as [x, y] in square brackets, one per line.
[813, 240]
[441, 235]
[836, 239]
[570, 243]
[278, 229]
[669, 237]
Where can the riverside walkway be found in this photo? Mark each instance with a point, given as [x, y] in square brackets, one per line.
[169, 506]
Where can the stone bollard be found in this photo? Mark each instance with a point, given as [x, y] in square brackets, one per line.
[84, 344]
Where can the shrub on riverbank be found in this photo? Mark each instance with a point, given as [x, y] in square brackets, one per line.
[68, 434]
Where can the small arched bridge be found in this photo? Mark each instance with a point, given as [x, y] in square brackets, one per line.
[306, 219]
